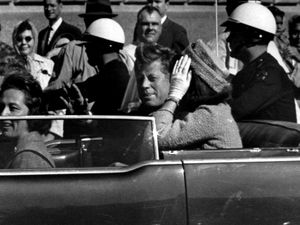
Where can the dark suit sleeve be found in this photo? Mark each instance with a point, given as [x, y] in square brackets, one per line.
[40, 40]
[65, 30]
[113, 78]
[106, 88]
[76, 33]
[173, 36]
[264, 91]
[72, 30]
[181, 39]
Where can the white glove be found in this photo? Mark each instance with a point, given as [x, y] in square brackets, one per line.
[180, 78]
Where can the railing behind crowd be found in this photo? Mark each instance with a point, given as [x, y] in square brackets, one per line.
[120, 2]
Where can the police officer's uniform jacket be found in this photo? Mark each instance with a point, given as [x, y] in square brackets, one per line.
[262, 90]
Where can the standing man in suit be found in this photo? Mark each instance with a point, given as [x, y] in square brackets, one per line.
[57, 29]
[173, 35]
[148, 29]
[73, 64]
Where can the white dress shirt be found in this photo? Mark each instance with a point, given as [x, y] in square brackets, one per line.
[54, 28]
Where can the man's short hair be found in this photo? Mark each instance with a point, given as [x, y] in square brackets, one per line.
[147, 8]
[148, 53]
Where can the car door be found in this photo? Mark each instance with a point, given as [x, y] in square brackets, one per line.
[260, 191]
[107, 172]
[149, 193]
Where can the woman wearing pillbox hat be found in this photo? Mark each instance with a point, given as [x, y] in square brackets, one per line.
[188, 100]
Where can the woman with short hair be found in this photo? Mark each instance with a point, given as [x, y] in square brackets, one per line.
[21, 95]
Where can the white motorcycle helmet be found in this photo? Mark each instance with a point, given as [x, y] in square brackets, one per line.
[253, 15]
[106, 32]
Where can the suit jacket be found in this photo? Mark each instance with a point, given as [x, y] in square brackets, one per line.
[173, 36]
[64, 30]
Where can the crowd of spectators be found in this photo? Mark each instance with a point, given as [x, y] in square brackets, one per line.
[197, 92]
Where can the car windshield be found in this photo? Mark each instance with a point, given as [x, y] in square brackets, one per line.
[88, 141]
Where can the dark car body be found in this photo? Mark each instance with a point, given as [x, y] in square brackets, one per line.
[230, 186]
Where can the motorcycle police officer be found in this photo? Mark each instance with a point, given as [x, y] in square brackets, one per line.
[261, 90]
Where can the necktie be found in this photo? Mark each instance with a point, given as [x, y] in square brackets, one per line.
[46, 40]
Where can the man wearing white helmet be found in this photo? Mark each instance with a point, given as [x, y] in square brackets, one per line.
[261, 90]
[220, 46]
[72, 65]
[105, 37]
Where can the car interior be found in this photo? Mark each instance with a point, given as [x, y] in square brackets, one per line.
[109, 141]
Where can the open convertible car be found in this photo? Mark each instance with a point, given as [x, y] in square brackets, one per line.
[110, 171]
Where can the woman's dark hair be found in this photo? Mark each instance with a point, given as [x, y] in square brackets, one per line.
[24, 81]
[25, 25]
[199, 93]
[11, 62]
[208, 86]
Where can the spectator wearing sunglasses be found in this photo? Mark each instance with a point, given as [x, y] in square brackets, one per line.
[25, 38]
[25, 41]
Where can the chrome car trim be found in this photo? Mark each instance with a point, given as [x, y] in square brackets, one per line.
[247, 160]
[155, 135]
[90, 117]
[94, 170]
[76, 117]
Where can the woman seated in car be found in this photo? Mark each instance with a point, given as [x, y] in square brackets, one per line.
[189, 106]
[20, 95]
